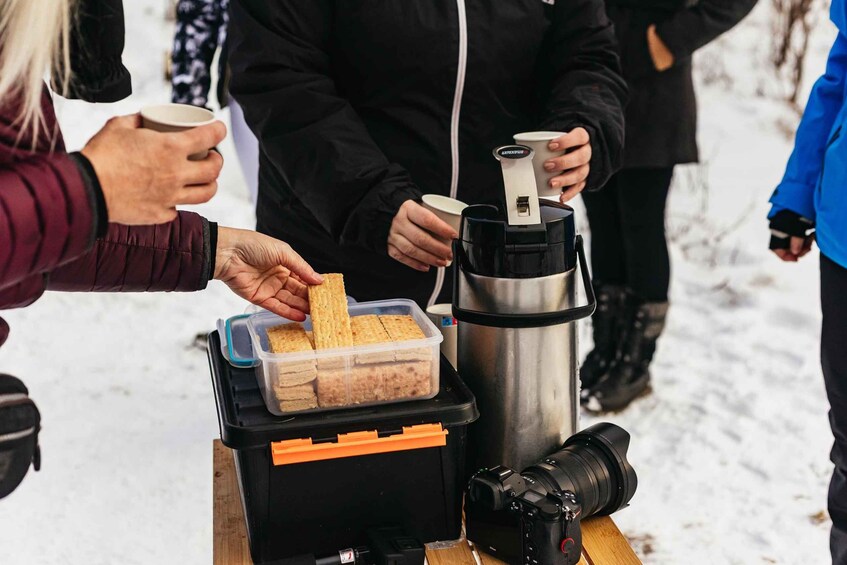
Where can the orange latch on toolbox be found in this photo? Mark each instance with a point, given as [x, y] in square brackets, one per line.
[358, 443]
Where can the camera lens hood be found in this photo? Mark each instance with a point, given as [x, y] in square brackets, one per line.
[613, 442]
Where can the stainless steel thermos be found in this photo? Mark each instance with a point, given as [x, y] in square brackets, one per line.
[515, 299]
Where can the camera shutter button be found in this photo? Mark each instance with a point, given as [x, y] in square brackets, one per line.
[549, 511]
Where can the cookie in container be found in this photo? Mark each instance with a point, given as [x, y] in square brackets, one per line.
[394, 357]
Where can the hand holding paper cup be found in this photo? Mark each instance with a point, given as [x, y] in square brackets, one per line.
[539, 142]
[171, 118]
[145, 175]
[561, 173]
[448, 210]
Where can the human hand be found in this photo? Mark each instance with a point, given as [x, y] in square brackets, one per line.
[264, 271]
[792, 236]
[574, 165]
[145, 174]
[419, 239]
[662, 57]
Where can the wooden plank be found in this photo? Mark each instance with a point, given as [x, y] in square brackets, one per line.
[459, 555]
[230, 533]
[603, 542]
[488, 560]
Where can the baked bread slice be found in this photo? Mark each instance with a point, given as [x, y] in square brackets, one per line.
[409, 380]
[299, 392]
[298, 405]
[330, 319]
[405, 328]
[368, 330]
[367, 383]
[292, 338]
[332, 388]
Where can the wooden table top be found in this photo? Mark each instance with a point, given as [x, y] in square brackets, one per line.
[603, 543]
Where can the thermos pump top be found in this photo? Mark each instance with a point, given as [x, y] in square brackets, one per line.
[492, 248]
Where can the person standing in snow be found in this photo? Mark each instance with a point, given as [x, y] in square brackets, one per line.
[201, 28]
[811, 204]
[363, 107]
[105, 218]
[629, 252]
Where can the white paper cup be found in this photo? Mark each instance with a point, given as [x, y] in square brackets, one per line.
[537, 141]
[172, 118]
[442, 316]
[448, 210]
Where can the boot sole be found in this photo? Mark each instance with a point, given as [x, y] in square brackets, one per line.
[617, 409]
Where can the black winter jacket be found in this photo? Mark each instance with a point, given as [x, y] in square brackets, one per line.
[661, 117]
[96, 45]
[360, 105]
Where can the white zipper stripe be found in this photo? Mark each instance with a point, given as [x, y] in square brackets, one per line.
[11, 397]
[454, 124]
[457, 99]
[17, 435]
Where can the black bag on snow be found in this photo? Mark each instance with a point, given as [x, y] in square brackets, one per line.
[20, 423]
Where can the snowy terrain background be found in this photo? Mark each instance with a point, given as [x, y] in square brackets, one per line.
[731, 449]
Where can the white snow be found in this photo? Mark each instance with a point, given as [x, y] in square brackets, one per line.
[731, 449]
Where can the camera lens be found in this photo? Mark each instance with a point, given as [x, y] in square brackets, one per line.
[592, 464]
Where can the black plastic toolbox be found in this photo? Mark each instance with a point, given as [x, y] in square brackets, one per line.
[325, 504]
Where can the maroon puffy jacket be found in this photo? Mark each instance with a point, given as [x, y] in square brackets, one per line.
[53, 232]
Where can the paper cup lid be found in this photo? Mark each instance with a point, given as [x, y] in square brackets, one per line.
[444, 204]
[178, 115]
[538, 135]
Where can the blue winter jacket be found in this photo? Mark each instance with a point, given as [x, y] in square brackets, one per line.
[815, 181]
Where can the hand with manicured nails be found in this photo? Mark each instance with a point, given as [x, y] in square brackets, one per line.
[145, 174]
[792, 235]
[419, 239]
[574, 165]
[264, 271]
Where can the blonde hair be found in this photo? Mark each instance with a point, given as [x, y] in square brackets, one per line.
[34, 40]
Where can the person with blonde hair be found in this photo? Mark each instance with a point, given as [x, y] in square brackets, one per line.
[105, 218]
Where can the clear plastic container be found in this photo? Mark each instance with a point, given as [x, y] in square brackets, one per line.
[322, 380]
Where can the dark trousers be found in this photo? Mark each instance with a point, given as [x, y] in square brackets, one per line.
[628, 245]
[834, 363]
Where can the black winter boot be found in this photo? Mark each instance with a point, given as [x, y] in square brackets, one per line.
[630, 376]
[608, 325]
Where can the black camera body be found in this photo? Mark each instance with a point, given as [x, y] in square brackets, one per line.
[548, 522]
[533, 517]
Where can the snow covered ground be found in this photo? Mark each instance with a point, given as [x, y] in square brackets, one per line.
[731, 449]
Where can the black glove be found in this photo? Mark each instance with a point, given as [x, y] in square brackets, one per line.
[787, 224]
[20, 423]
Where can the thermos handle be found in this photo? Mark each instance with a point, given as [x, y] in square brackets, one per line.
[582, 311]
[533, 320]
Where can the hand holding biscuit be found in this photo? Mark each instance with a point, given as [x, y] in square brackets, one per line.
[419, 239]
[265, 271]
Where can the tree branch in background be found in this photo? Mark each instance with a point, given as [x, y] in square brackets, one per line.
[792, 25]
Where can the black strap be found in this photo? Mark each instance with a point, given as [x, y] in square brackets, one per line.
[20, 423]
[518, 321]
